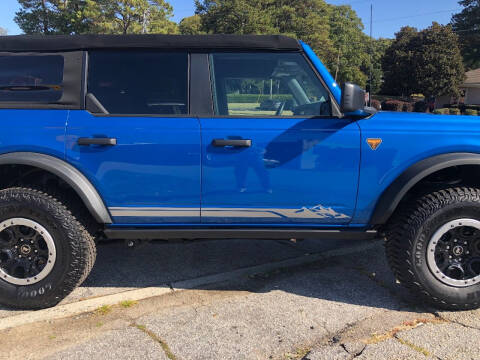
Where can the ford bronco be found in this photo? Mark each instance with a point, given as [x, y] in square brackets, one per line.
[169, 137]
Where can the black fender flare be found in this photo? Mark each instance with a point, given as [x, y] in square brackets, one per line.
[80, 184]
[395, 192]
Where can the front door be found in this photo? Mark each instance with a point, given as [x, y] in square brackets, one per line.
[143, 154]
[273, 153]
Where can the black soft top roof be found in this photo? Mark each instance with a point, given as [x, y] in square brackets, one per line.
[194, 42]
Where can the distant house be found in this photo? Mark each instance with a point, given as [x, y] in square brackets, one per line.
[471, 87]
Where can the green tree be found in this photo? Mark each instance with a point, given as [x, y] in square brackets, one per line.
[467, 25]
[308, 20]
[95, 16]
[350, 46]
[235, 16]
[334, 32]
[397, 64]
[37, 16]
[378, 49]
[438, 66]
[191, 25]
[133, 17]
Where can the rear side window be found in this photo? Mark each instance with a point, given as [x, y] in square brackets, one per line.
[140, 82]
[31, 78]
[267, 84]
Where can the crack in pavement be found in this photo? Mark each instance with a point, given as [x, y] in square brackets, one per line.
[154, 337]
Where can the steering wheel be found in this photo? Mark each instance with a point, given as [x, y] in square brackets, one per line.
[280, 108]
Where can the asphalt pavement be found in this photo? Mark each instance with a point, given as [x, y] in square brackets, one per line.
[343, 306]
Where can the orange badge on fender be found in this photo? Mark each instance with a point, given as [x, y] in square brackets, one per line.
[374, 143]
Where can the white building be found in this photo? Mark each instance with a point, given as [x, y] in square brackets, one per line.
[471, 86]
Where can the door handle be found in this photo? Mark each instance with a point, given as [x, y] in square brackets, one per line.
[232, 142]
[97, 141]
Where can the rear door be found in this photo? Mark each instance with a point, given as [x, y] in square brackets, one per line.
[273, 153]
[143, 151]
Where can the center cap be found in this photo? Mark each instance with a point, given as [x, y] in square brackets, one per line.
[25, 249]
[458, 250]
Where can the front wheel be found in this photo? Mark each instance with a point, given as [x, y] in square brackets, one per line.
[44, 250]
[433, 247]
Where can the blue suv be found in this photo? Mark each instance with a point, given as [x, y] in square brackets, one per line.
[220, 136]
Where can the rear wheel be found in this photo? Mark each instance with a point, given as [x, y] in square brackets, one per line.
[44, 250]
[433, 247]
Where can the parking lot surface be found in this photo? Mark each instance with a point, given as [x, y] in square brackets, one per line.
[343, 306]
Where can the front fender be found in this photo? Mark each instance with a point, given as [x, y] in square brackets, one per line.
[394, 193]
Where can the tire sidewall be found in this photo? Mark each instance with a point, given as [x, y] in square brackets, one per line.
[41, 210]
[463, 296]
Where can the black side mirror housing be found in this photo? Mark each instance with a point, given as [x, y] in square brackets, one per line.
[353, 98]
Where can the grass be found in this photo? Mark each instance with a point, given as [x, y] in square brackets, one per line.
[250, 109]
[104, 310]
[407, 325]
[414, 347]
[163, 344]
[299, 353]
[128, 303]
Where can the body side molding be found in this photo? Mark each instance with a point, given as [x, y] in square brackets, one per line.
[394, 193]
[237, 233]
[81, 185]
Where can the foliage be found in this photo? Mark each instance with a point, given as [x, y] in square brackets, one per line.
[234, 16]
[191, 25]
[420, 106]
[255, 98]
[471, 112]
[393, 105]
[407, 107]
[376, 104]
[467, 25]
[426, 62]
[3, 31]
[438, 66]
[134, 17]
[95, 16]
[440, 111]
[397, 64]
[334, 32]
[455, 111]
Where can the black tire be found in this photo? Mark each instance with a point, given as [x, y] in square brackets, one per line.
[75, 249]
[408, 235]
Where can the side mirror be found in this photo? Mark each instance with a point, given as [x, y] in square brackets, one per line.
[353, 98]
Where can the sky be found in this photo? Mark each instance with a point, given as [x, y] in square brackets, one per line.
[388, 15]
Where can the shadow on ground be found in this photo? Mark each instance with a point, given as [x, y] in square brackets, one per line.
[344, 280]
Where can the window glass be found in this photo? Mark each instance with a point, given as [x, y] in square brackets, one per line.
[31, 78]
[267, 84]
[139, 82]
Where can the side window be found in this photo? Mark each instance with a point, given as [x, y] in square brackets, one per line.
[267, 84]
[139, 82]
[31, 78]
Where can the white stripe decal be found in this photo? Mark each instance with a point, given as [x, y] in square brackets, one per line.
[315, 212]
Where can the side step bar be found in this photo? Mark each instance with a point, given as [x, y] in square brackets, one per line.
[261, 233]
